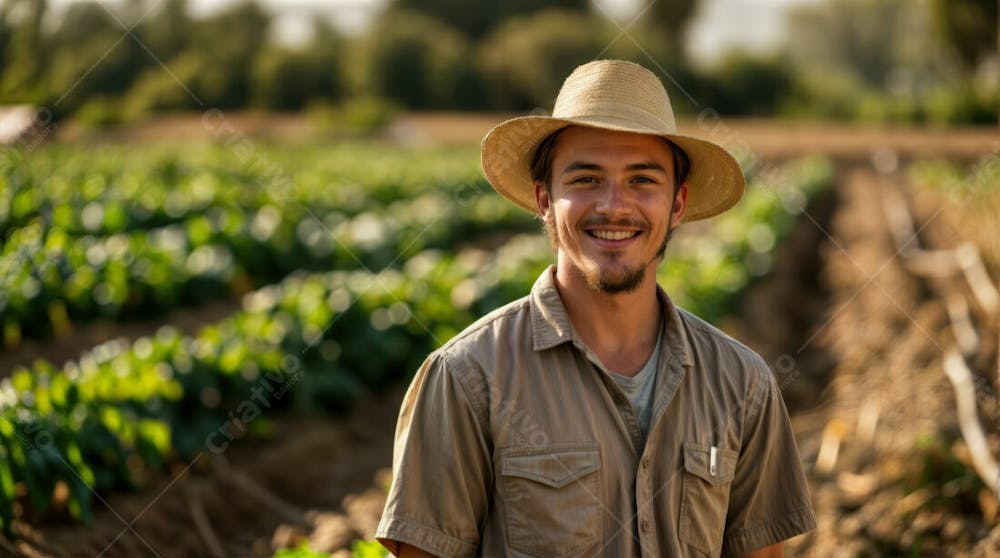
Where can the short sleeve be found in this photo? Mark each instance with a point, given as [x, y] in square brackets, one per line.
[441, 466]
[769, 500]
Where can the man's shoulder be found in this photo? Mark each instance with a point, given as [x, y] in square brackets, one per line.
[506, 322]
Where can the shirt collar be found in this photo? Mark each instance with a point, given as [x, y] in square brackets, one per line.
[550, 325]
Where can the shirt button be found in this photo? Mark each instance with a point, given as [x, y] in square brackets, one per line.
[645, 464]
[644, 526]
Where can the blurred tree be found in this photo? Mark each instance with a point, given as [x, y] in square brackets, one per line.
[22, 70]
[417, 61]
[883, 44]
[880, 60]
[213, 66]
[970, 27]
[168, 31]
[287, 79]
[90, 57]
[671, 18]
[157, 91]
[223, 49]
[748, 84]
[475, 19]
[6, 31]
[857, 37]
[525, 61]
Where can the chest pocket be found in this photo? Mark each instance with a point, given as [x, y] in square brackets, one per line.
[552, 499]
[705, 496]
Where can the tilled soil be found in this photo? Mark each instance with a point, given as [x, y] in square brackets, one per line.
[899, 482]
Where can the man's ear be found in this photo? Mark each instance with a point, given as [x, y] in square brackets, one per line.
[542, 200]
[680, 204]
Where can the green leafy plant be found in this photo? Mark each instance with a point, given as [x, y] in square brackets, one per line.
[82, 240]
[301, 551]
[368, 549]
[315, 341]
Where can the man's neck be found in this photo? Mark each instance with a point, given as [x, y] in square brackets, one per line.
[620, 328]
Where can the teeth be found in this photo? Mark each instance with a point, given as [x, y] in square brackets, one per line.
[614, 235]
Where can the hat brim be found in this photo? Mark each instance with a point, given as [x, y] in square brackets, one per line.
[715, 180]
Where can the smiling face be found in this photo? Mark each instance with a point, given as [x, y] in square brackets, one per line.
[611, 205]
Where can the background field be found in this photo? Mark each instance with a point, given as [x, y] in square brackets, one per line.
[220, 265]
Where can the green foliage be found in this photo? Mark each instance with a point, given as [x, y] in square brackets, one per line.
[86, 235]
[870, 60]
[87, 33]
[301, 551]
[706, 273]
[101, 112]
[6, 29]
[475, 19]
[310, 341]
[748, 84]
[416, 61]
[313, 341]
[969, 186]
[859, 37]
[965, 103]
[288, 79]
[157, 91]
[525, 61]
[881, 61]
[215, 66]
[369, 549]
[969, 27]
[22, 66]
[840, 96]
[672, 20]
[167, 32]
[359, 115]
[227, 45]
[360, 549]
[209, 62]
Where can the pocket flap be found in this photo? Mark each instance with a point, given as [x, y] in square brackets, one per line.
[698, 462]
[556, 469]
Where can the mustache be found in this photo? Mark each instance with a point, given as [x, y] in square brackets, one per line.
[605, 222]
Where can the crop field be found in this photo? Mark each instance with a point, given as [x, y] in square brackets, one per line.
[133, 420]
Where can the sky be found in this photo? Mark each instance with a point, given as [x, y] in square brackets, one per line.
[723, 24]
[720, 25]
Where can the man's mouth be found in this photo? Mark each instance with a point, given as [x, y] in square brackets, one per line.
[612, 235]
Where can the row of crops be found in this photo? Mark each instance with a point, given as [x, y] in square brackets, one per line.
[117, 241]
[312, 339]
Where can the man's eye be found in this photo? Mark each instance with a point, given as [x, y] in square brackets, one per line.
[644, 179]
[584, 180]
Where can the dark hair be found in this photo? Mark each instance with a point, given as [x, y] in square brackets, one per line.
[541, 162]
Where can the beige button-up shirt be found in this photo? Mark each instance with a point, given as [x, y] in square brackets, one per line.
[511, 442]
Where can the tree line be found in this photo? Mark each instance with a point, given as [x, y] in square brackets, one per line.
[906, 60]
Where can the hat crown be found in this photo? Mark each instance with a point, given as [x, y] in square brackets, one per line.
[616, 90]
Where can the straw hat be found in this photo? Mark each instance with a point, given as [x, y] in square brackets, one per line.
[614, 95]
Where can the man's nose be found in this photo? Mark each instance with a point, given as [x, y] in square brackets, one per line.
[614, 198]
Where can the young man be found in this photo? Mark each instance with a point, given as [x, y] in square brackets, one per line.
[593, 417]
